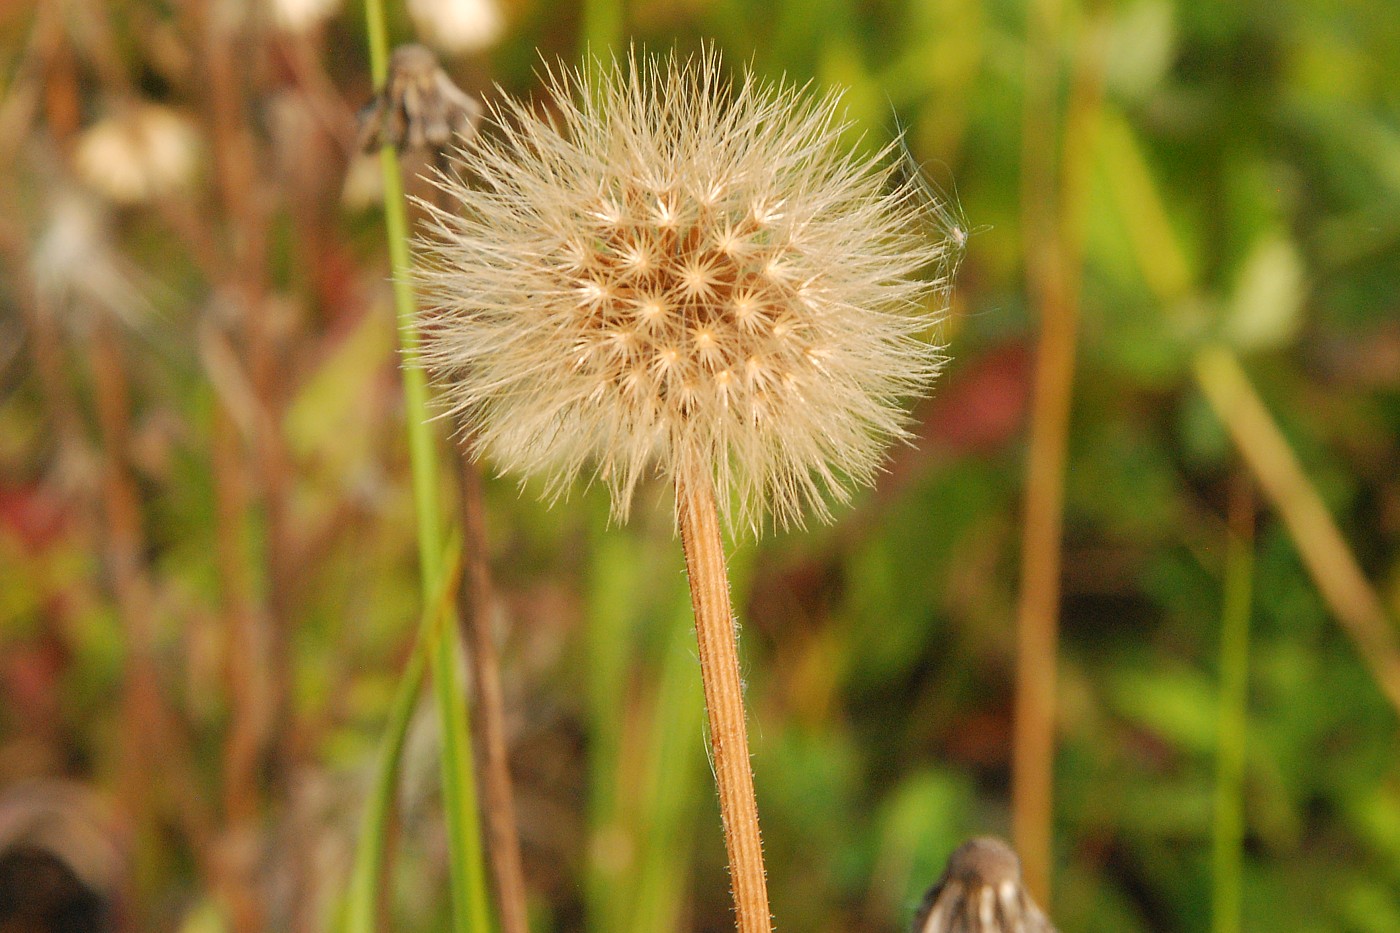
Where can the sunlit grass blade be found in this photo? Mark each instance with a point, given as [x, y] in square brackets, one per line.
[468, 869]
[671, 783]
[363, 897]
[1325, 553]
[618, 575]
[602, 26]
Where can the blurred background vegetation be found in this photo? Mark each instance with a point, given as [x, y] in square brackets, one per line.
[207, 573]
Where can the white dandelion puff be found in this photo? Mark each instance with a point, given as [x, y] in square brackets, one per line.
[686, 275]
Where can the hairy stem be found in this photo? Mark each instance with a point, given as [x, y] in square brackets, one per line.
[724, 701]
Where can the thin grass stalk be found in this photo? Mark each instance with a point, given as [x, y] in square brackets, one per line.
[717, 637]
[149, 729]
[362, 899]
[47, 347]
[1054, 234]
[672, 774]
[1037, 618]
[1324, 551]
[237, 159]
[602, 26]
[1228, 841]
[467, 872]
[227, 49]
[616, 573]
[477, 607]
[245, 674]
[123, 543]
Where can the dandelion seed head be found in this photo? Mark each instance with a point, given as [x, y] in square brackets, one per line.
[687, 275]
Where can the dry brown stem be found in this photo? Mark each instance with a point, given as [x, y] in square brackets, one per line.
[476, 607]
[149, 730]
[724, 700]
[1054, 243]
[231, 59]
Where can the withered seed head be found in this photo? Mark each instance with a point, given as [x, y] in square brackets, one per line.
[981, 892]
[419, 107]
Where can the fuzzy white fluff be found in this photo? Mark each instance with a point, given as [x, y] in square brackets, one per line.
[669, 271]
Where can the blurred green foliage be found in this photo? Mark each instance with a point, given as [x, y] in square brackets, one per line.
[1244, 187]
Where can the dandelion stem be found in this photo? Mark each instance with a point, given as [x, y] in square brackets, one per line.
[724, 700]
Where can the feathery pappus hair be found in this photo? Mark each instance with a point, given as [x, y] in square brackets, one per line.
[684, 274]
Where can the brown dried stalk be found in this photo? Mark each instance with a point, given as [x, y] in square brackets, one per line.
[150, 733]
[230, 57]
[1054, 242]
[476, 608]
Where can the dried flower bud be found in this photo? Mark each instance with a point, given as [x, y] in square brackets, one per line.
[981, 892]
[419, 107]
[686, 276]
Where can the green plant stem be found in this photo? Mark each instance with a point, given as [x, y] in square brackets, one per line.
[1234, 681]
[602, 26]
[618, 573]
[467, 873]
[369, 858]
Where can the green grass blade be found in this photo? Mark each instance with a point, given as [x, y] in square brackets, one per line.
[467, 869]
[675, 768]
[1229, 784]
[362, 900]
